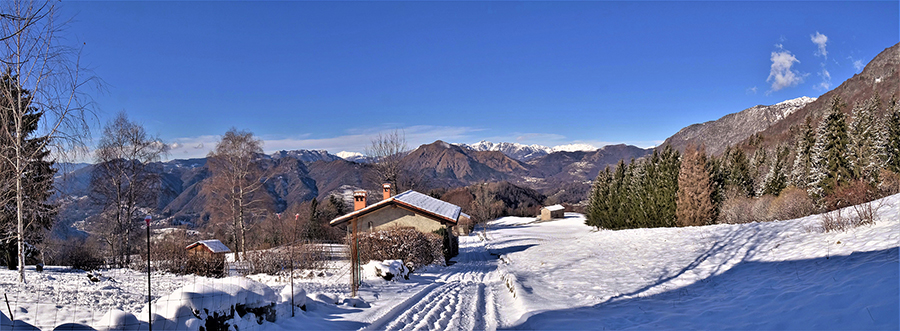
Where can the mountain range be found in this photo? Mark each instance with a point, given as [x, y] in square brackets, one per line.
[301, 175]
[523, 152]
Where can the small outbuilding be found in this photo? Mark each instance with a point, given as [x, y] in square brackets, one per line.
[551, 212]
[211, 247]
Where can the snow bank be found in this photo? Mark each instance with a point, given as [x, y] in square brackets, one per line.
[387, 269]
[213, 304]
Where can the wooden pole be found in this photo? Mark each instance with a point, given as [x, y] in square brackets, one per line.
[149, 292]
[296, 220]
[354, 259]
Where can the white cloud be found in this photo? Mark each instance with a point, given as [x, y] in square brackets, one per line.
[355, 141]
[752, 90]
[826, 80]
[820, 40]
[858, 65]
[781, 75]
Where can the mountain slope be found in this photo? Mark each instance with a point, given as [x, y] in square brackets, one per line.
[582, 166]
[736, 127]
[453, 165]
[881, 76]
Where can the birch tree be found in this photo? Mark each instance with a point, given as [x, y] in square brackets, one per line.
[235, 183]
[32, 55]
[388, 150]
[122, 181]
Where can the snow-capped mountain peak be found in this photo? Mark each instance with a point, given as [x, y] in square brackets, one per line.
[524, 152]
[574, 148]
[801, 101]
[352, 156]
[514, 150]
[788, 107]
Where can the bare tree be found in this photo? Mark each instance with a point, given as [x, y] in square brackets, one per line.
[236, 180]
[122, 181]
[32, 56]
[484, 206]
[388, 150]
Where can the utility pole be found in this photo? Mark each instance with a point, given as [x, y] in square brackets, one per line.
[149, 292]
[296, 221]
[354, 259]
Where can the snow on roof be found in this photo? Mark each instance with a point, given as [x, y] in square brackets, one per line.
[411, 199]
[555, 207]
[214, 245]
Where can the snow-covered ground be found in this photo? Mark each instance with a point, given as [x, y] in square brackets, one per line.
[523, 274]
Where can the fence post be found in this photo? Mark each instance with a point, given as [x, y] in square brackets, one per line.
[149, 290]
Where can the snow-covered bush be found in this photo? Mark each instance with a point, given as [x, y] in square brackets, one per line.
[223, 304]
[297, 296]
[118, 320]
[387, 269]
[278, 260]
[407, 244]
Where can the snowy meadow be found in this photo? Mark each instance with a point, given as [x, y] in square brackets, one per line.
[523, 274]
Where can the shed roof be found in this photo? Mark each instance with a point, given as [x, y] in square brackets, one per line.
[214, 245]
[414, 200]
[555, 207]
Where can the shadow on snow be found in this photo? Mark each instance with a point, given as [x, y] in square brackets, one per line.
[858, 291]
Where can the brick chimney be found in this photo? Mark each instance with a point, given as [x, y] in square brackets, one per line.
[359, 200]
[387, 190]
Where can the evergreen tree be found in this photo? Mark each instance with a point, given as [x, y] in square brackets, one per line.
[694, 204]
[866, 136]
[717, 177]
[617, 197]
[776, 180]
[598, 213]
[667, 186]
[740, 177]
[638, 194]
[830, 165]
[759, 168]
[803, 164]
[38, 178]
[651, 206]
[315, 229]
[892, 137]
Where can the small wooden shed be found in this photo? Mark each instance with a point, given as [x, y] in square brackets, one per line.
[551, 212]
[211, 247]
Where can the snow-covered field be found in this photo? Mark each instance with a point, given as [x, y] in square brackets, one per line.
[523, 274]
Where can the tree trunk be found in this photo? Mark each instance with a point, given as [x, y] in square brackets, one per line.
[241, 220]
[20, 205]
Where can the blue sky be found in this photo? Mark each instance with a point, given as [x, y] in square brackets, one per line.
[331, 75]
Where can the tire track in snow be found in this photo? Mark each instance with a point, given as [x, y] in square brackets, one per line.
[461, 299]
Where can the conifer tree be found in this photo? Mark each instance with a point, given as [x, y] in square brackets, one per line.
[37, 175]
[866, 136]
[717, 177]
[598, 205]
[830, 165]
[740, 177]
[803, 164]
[892, 137]
[651, 207]
[759, 168]
[694, 205]
[776, 180]
[617, 197]
[667, 186]
[638, 194]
